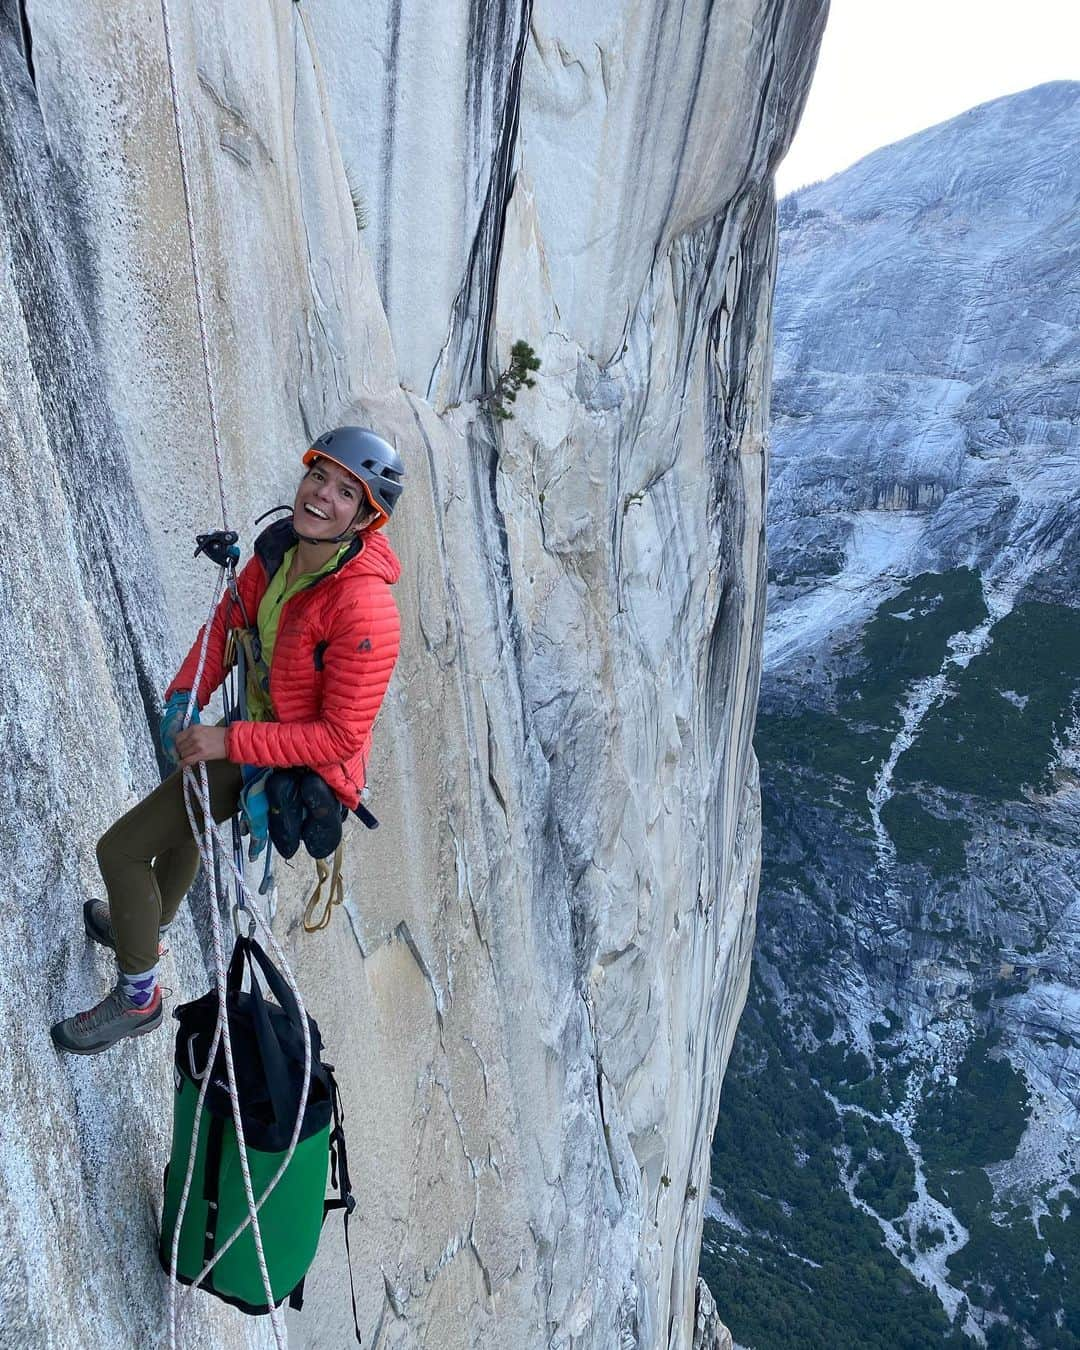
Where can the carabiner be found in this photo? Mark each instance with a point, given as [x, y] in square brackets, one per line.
[237, 910]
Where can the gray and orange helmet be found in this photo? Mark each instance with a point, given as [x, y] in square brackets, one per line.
[369, 458]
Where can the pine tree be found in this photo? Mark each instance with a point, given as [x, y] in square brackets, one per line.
[523, 360]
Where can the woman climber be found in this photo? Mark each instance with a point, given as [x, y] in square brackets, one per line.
[319, 583]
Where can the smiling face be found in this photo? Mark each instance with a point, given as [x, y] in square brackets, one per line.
[327, 502]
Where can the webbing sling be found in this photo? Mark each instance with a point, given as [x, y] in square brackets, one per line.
[334, 896]
[246, 643]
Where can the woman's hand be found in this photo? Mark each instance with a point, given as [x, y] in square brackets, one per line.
[199, 743]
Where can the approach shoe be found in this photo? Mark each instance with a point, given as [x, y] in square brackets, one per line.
[323, 814]
[111, 1020]
[98, 924]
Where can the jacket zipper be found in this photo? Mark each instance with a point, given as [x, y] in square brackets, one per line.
[282, 602]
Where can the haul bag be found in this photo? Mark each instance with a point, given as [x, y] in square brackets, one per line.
[268, 1052]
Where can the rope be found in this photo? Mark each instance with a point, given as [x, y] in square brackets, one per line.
[200, 308]
[206, 850]
[299, 1121]
[205, 838]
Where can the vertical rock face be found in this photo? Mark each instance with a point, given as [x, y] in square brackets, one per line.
[532, 998]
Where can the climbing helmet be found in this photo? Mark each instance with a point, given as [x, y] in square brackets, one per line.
[367, 457]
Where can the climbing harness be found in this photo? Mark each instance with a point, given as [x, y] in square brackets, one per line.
[242, 655]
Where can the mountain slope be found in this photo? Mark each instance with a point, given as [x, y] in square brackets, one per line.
[912, 1045]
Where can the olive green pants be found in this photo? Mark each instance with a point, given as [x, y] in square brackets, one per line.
[149, 859]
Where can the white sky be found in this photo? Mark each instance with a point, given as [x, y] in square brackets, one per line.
[891, 67]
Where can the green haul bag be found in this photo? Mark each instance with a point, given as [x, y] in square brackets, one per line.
[268, 1054]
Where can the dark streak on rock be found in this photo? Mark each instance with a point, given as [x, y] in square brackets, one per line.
[27, 39]
[787, 85]
[147, 681]
[616, 1172]
[497, 27]
[83, 436]
[731, 335]
[695, 90]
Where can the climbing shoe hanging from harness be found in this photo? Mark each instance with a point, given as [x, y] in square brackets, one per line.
[303, 809]
[286, 811]
[268, 1052]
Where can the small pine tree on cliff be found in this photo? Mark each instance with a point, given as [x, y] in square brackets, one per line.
[523, 360]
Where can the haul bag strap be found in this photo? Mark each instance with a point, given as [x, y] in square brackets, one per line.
[249, 949]
[345, 1200]
[339, 1177]
[352, 1286]
[274, 1064]
[248, 642]
[296, 1298]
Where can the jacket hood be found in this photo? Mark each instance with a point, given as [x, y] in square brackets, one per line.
[370, 554]
[376, 557]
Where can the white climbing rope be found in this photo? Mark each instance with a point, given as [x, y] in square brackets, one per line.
[299, 1121]
[205, 840]
[200, 308]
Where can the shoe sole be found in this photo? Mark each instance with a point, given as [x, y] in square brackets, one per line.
[321, 830]
[100, 1046]
[285, 811]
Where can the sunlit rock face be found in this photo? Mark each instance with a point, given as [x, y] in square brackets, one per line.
[918, 738]
[532, 992]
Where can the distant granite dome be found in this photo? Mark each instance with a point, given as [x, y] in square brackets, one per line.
[919, 740]
[926, 354]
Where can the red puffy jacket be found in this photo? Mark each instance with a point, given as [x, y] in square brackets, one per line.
[337, 642]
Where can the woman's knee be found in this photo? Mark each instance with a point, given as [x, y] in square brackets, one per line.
[111, 847]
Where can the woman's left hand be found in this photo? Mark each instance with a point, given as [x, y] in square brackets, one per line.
[199, 743]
